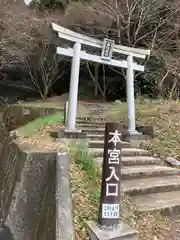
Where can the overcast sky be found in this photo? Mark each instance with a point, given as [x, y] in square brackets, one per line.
[27, 2]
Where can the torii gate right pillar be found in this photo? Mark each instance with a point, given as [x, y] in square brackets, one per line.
[130, 97]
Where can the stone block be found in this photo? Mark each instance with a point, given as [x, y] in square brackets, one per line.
[122, 232]
[134, 137]
[143, 133]
[146, 130]
[173, 161]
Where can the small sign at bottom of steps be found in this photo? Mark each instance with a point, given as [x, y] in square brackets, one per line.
[110, 210]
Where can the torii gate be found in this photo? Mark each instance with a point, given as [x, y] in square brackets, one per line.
[108, 47]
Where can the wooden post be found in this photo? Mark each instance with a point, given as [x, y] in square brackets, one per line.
[109, 212]
[65, 113]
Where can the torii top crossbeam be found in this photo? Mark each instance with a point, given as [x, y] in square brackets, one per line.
[89, 41]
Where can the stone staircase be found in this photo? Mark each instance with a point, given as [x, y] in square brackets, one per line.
[152, 185]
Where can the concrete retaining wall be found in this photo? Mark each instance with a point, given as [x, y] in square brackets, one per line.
[16, 115]
[28, 189]
[10, 166]
[32, 210]
[34, 185]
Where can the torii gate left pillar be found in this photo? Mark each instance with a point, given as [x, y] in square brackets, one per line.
[74, 83]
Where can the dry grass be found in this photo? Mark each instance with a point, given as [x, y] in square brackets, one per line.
[165, 117]
[82, 203]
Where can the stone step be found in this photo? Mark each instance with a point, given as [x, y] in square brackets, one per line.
[95, 137]
[157, 201]
[135, 160]
[151, 185]
[90, 125]
[91, 118]
[98, 152]
[90, 122]
[129, 172]
[93, 130]
[100, 144]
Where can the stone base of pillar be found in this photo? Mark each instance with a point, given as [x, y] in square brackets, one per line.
[72, 130]
[121, 232]
[134, 133]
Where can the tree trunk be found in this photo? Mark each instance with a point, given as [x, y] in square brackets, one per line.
[45, 92]
[118, 23]
[96, 68]
[104, 84]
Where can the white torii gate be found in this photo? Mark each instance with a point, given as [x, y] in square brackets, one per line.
[108, 47]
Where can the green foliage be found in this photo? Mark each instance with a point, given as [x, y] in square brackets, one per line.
[84, 158]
